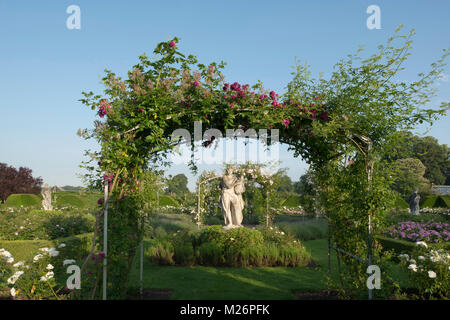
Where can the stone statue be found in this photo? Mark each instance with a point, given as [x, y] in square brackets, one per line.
[231, 200]
[47, 198]
[414, 202]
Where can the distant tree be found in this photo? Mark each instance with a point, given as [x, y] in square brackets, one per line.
[435, 157]
[409, 176]
[177, 185]
[284, 183]
[17, 181]
[303, 186]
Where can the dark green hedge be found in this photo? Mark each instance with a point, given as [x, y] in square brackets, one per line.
[399, 246]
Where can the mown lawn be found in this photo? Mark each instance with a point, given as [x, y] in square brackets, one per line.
[237, 283]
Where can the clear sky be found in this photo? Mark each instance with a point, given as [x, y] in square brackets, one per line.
[45, 66]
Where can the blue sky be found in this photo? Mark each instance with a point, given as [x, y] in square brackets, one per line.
[45, 66]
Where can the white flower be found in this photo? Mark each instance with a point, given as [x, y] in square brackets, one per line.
[68, 261]
[19, 264]
[37, 257]
[7, 256]
[62, 245]
[13, 292]
[44, 249]
[14, 277]
[47, 276]
[422, 243]
[421, 258]
[412, 267]
[232, 239]
[53, 252]
[49, 267]
[432, 274]
[282, 233]
[412, 261]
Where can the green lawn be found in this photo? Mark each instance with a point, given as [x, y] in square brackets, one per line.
[237, 283]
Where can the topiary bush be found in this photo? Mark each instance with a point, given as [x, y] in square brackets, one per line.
[440, 203]
[64, 200]
[429, 201]
[26, 200]
[401, 203]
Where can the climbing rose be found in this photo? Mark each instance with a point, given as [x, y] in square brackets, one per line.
[172, 44]
[286, 122]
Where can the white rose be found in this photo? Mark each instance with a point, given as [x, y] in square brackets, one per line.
[37, 257]
[421, 243]
[13, 292]
[432, 274]
[53, 252]
[412, 267]
[49, 267]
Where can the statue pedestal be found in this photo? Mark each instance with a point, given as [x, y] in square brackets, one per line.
[231, 226]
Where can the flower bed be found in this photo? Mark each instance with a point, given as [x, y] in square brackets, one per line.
[430, 231]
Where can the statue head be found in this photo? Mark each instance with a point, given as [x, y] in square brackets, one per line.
[229, 170]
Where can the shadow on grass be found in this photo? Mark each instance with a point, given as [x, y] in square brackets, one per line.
[213, 283]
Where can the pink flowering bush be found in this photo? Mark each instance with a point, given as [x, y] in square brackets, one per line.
[430, 231]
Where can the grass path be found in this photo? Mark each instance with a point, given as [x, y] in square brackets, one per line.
[212, 283]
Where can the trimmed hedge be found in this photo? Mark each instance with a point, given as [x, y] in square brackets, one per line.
[69, 200]
[436, 202]
[76, 246]
[24, 199]
[401, 203]
[291, 202]
[400, 246]
[165, 200]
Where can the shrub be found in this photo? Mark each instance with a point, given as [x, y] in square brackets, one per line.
[305, 230]
[429, 201]
[165, 200]
[401, 203]
[42, 224]
[160, 252]
[210, 253]
[236, 238]
[69, 200]
[213, 220]
[34, 273]
[428, 270]
[291, 202]
[440, 203]
[184, 254]
[419, 231]
[26, 200]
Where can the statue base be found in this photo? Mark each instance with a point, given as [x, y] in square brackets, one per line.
[231, 226]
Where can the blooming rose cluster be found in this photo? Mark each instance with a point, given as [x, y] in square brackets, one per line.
[103, 108]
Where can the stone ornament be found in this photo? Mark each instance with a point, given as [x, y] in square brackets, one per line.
[47, 198]
[414, 200]
[231, 200]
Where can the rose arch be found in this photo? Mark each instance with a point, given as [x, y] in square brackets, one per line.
[354, 114]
